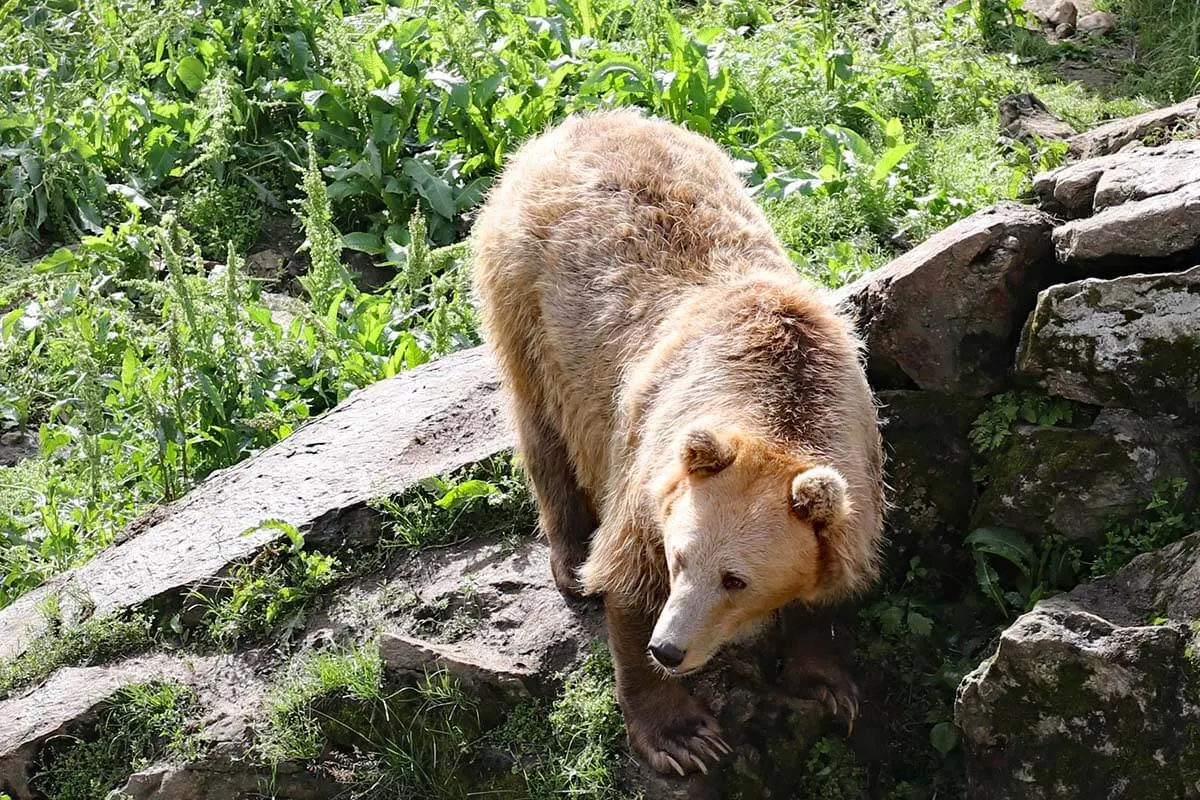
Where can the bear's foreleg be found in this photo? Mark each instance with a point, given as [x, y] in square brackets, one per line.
[564, 511]
[670, 729]
[817, 662]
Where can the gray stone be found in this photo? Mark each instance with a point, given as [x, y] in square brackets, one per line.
[16, 446]
[1098, 23]
[1087, 697]
[1095, 184]
[379, 442]
[1112, 136]
[1076, 482]
[1053, 13]
[1131, 342]
[486, 612]
[228, 779]
[1157, 227]
[1024, 117]
[946, 315]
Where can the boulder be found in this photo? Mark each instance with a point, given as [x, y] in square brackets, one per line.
[946, 315]
[1024, 117]
[1161, 226]
[489, 614]
[16, 446]
[1076, 482]
[1131, 342]
[227, 778]
[1112, 136]
[1097, 23]
[1053, 13]
[1079, 189]
[69, 700]
[1095, 693]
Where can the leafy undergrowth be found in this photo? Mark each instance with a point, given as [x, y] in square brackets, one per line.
[141, 723]
[571, 747]
[486, 500]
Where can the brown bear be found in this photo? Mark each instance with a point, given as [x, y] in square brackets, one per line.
[694, 418]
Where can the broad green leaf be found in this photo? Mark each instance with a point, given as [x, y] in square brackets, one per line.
[918, 623]
[363, 242]
[192, 72]
[944, 737]
[615, 67]
[464, 492]
[431, 187]
[989, 582]
[888, 161]
[1007, 544]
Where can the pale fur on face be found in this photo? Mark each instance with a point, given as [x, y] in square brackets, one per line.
[742, 535]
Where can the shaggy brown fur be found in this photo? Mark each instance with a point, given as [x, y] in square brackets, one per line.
[684, 403]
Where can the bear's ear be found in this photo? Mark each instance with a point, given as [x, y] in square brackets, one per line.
[706, 452]
[820, 496]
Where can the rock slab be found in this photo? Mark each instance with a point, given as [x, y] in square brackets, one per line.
[1095, 693]
[1131, 342]
[380, 441]
[1075, 482]
[1085, 187]
[946, 315]
[1160, 226]
[1112, 136]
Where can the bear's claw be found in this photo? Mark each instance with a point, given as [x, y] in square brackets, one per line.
[679, 737]
[831, 687]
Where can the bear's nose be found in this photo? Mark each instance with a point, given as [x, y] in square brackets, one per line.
[667, 654]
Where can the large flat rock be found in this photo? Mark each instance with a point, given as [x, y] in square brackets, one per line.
[946, 315]
[1095, 693]
[70, 699]
[379, 442]
[1096, 184]
[1131, 342]
[1160, 226]
[1112, 136]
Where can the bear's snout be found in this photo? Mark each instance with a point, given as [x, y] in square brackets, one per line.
[667, 654]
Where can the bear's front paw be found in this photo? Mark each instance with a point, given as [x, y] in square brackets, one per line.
[673, 731]
[564, 566]
[828, 683]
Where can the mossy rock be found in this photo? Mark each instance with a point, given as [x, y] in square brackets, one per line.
[1089, 695]
[1131, 342]
[1076, 482]
[928, 472]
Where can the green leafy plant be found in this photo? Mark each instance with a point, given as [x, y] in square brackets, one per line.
[994, 426]
[1168, 516]
[409, 739]
[271, 589]
[485, 500]
[92, 641]
[570, 747]
[1035, 573]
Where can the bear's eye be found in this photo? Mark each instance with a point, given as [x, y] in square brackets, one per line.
[732, 582]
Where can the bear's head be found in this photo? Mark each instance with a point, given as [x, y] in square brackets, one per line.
[747, 529]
